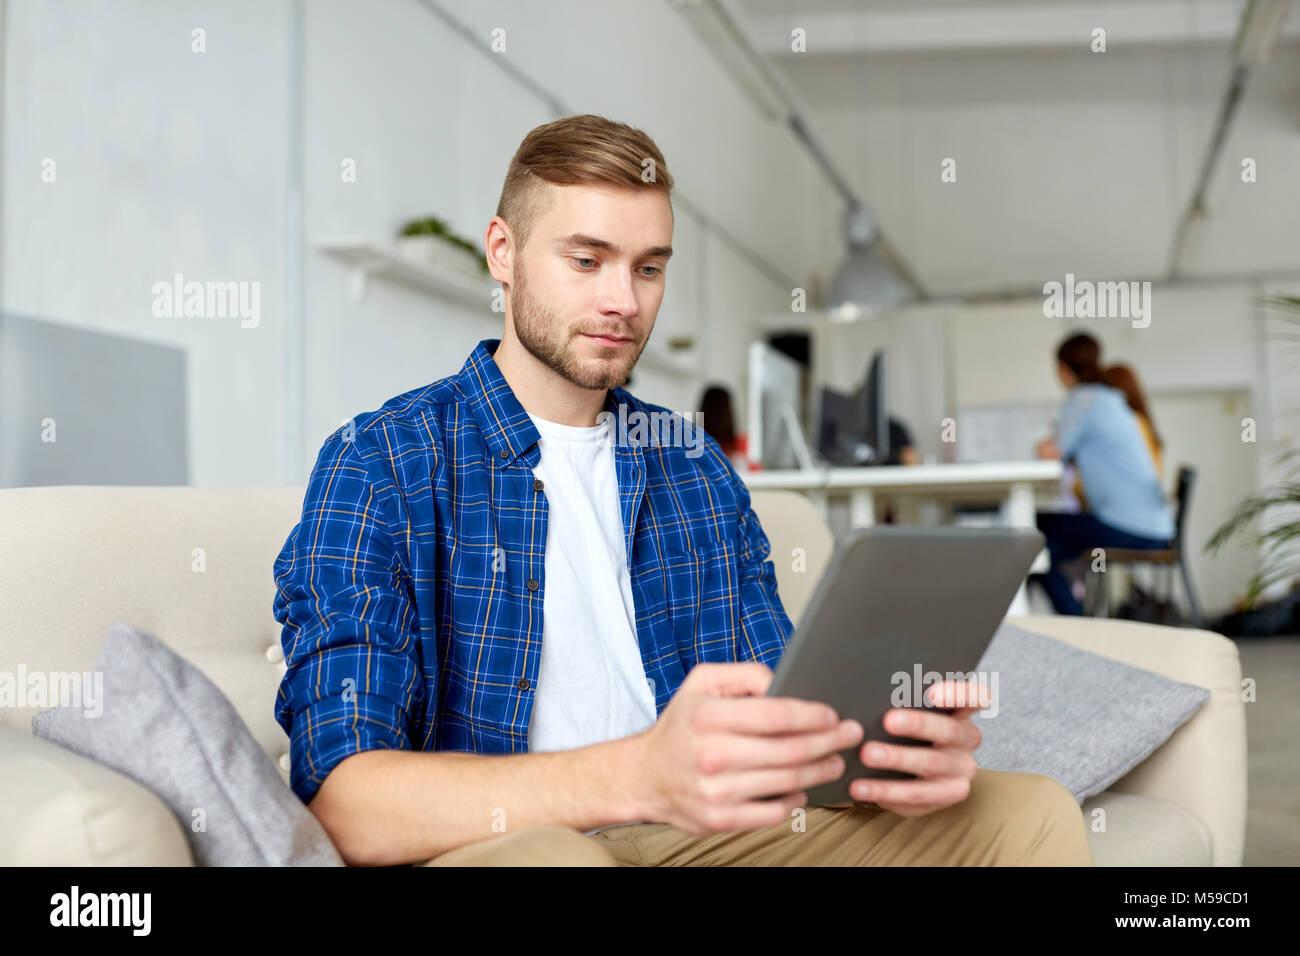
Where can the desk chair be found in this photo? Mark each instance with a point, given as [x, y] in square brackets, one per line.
[1096, 600]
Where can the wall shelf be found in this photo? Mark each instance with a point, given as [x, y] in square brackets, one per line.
[680, 364]
[371, 260]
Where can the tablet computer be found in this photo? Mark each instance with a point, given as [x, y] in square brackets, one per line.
[900, 608]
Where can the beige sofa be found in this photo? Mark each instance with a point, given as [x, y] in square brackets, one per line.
[193, 566]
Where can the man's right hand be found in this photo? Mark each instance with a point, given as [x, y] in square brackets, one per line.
[721, 745]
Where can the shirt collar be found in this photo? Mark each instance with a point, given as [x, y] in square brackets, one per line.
[506, 427]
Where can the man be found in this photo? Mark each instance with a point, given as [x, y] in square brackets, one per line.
[519, 631]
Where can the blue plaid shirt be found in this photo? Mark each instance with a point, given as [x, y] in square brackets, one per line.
[410, 593]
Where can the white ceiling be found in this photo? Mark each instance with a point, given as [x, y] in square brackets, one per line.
[1067, 160]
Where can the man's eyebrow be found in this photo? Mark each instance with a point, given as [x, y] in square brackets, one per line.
[591, 242]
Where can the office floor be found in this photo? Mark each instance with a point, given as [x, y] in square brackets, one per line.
[1273, 743]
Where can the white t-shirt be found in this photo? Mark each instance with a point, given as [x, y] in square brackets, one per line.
[591, 686]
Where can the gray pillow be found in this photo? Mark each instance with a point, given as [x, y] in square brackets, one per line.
[165, 725]
[1083, 719]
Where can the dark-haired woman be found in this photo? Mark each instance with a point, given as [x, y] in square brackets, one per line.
[720, 424]
[1100, 434]
[1125, 379]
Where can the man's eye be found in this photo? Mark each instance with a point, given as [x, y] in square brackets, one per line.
[581, 259]
[654, 269]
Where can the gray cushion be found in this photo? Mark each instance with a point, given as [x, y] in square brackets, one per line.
[1080, 718]
[167, 726]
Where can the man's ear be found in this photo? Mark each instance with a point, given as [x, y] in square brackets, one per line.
[500, 250]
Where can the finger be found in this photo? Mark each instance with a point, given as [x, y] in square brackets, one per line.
[724, 753]
[944, 791]
[921, 761]
[762, 715]
[761, 813]
[731, 678]
[959, 696]
[943, 729]
[747, 785]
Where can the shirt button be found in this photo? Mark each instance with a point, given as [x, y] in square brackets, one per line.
[275, 654]
[537, 484]
[285, 764]
[505, 452]
[532, 584]
[523, 683]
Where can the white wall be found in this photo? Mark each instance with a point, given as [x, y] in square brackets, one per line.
[172, 161]
[433, 124]
[166, 161]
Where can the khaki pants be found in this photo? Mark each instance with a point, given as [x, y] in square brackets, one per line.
[1009, 819]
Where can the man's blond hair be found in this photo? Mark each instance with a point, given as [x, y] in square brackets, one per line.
[578, 150]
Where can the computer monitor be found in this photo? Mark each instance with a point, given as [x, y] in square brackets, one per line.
[776, 438]
[875, 413]
[119, 404]
[853, 430]
[837, 432]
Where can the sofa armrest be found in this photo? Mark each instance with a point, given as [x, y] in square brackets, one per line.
[1202, 766]
[63, 809]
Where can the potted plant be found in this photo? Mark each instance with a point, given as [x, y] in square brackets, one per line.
[428, 241]
[1280, 544]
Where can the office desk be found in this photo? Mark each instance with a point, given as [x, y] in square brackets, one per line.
[1013, 482]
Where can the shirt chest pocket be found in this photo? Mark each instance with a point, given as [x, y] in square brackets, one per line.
[702, 588]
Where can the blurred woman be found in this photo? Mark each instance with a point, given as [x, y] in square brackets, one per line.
[720, 423]
[1125, 379]
[1100, 434]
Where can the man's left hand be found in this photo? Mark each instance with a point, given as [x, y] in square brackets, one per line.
[943, 770]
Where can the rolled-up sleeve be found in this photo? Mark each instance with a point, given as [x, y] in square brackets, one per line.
[764, 626]
[348, 620]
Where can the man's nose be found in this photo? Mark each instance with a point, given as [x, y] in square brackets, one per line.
[617, 295]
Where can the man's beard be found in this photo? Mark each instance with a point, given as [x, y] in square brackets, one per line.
[546, 339]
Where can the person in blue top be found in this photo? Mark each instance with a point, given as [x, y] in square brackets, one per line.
[1100, 434]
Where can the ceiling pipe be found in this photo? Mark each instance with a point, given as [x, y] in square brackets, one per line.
[1261, 24]
[872, 261]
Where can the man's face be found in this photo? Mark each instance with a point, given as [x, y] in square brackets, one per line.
[587, 285]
